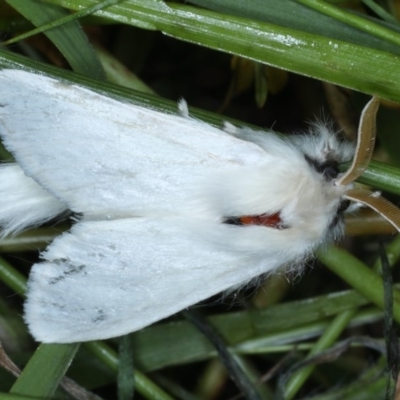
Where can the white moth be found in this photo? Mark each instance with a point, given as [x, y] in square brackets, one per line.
[172, 210]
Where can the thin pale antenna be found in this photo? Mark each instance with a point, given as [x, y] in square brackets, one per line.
[379, 204]
[365, 143]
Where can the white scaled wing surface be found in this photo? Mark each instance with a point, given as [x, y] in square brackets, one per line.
[155, 192]
[107, 279]
[102, 156]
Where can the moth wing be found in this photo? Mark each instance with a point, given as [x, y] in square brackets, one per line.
[23, 202]
[102, 156]
[105, 279]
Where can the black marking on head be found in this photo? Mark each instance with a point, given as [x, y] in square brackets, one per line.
[343, 206]
[72, 271]
[329, 168]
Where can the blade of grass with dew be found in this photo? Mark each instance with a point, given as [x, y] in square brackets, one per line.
[320, 57]
[292, 14]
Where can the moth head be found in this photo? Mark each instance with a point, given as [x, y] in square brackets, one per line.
[323, 149]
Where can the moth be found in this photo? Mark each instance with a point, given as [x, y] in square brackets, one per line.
[168, 210]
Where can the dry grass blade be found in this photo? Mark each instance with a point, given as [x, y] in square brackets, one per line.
[365, 142]
[7, 363]
[382, 206]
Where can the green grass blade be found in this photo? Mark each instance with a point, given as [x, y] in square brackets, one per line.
[354, 20]
[382, 176]
[292, 14]
[11, 277]
[142, 384]
[321, 57]
[69, 38]
[45, 369]
[355, 273]
[62, 21]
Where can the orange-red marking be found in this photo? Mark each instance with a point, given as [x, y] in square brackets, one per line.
[273, 221]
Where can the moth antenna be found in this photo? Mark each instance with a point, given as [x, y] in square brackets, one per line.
[365, 143]
[379, 204]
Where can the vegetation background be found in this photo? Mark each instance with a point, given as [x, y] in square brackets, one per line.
[269, 63]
